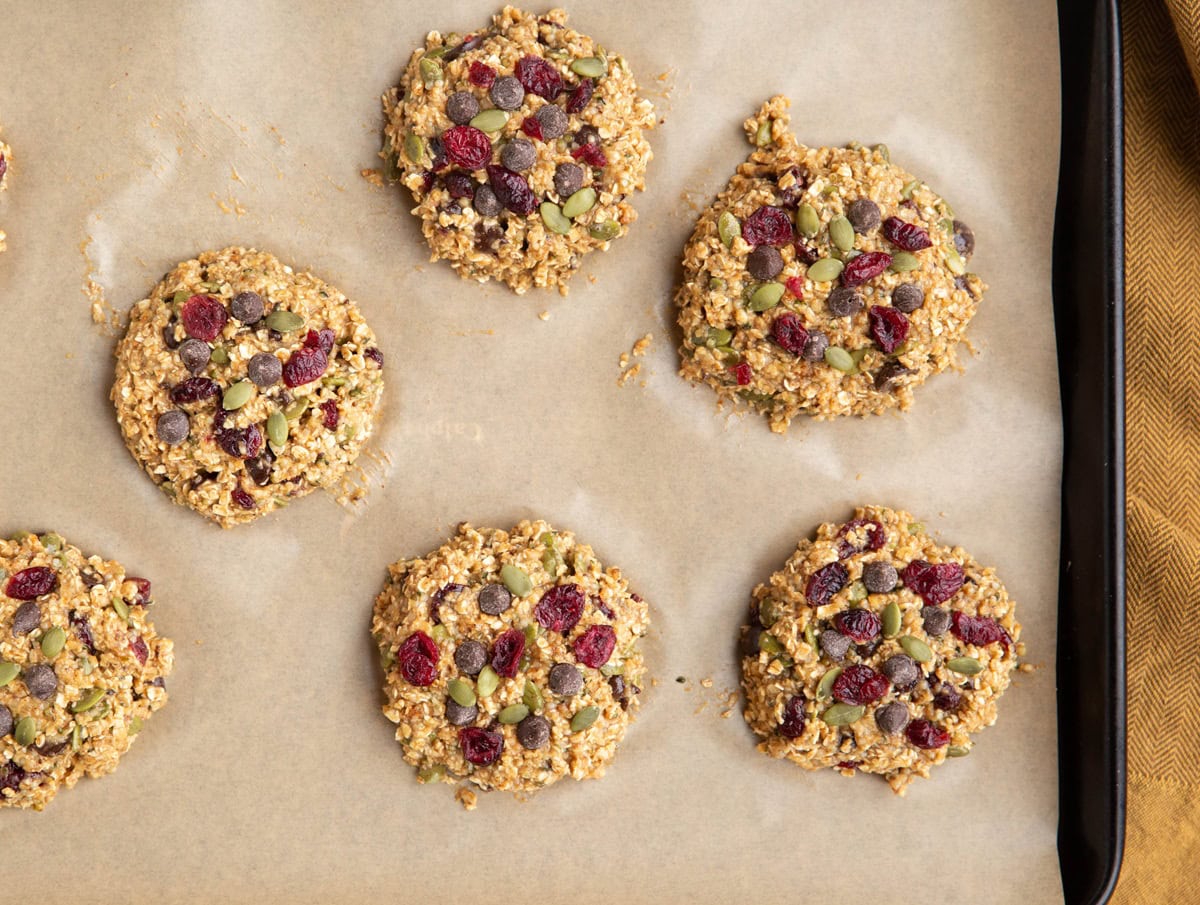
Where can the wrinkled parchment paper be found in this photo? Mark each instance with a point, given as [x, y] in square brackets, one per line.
[146, 132]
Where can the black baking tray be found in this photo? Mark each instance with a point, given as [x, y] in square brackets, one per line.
[1089, 320]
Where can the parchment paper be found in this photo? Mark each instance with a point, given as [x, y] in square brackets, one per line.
[154, 131]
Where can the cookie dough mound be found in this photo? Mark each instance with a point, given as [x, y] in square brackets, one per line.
[511, 659]
[81, 666]
[520, 144]
[877, 649]
[241, 384]
[825, 281]
[5, 159]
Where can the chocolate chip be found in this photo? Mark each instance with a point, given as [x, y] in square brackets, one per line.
[750, 641]
[964, 239]
[507, 93]
[843, 302]
[936, 619]
[863, 215]
[168, 333]
[486, 203]
[568, 179]
[247, 307]
[879, 577]
[264, 370]
[902, 670]
[565, 679]
[908, 297]
[867, 648]
[587, 135]
[553, 121]
[6, 721]
[815, 346]
[891, 717]
[764, 263]
[459, 715]
[470, 657]
[461, 107]
[518, 155]
[194, 353]
[41, 681]
[52, 749]
[172, 427]
[259, 468]
[948, 698]
[620, 690]
[494, 599]
[889, 374]
[533, 732]
[833, 644]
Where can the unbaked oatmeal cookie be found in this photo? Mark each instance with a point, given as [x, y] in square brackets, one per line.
[877, 649]
[242, 384]
[823, 281]
[511, 659]
[5, 157]
[521, 144]
[81, 666]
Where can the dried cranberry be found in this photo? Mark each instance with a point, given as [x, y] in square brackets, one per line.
[934, 583]
[322, 340]
[532, 127]
[859, 625]
[794, 719]
[591, 154]
[140, 650]
[143, 594]
[977, 630]
[905, 235]
[560, 608]
[374, 355]
[481, 75]
[243, 499]
[418, 659]
[581, 96]
[866, 266]
[459, 184]
[243, 443]
[538, 77]
[12, 775]
[193, 390]
[742, 373]
[795, 285]
[506, 652]
[860, 685]
[435, 602]
[789, 332]
[768, 226]
[948, 699]
[203, 317]
[925, 734]
[595, 646]
[467, 146]
[428, 178]
[83, 630]
[480, 746]
[31, 583]
[304, 366]
[889, 327]
[511, 190]
[824, 583]
[875, 537]
[329, 414]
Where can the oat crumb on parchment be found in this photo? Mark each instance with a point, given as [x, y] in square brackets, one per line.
[373, 176]
[468, 799]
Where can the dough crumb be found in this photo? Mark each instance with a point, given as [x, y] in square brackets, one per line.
[373, 176]
[468, 799]
[545, 316]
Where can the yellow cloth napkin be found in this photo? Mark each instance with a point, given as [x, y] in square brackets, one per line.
[1162, 394]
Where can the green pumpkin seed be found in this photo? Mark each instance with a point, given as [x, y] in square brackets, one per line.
[8, 672]
[769, 644]
[86, 666]
[552, 216]
[603, 232]
[180, 297]
[612, 669]
[766, 296]
[532, 697]
[440, 634]
[768, 613]
[513, 714]
[430, 71]
[728, 228]
[414, 148]
[487, 682]
[966, 666]
[958, 751]
[122, 609]
[515, 580]
[431, 774]
[589, 67]
[53, 641]
[841, 233]
[909, 187]
[284, 321]
[277, 428]
[858, 590]
[917, 649]
[946, 225]
[436, 53]
[135, 725]
[955, 262]
[237, 395]
[462, 692]
[551, 562]
[810, 635]
[716, 284]
[76, 737]
[531, 634]
[762, 137]
[333, 381]
[52, 542]
[903, 262]
[883, 151]
[843, 714]
[219, 355]
[580, 203]
[584, 718]
[296, 409]
[26, 731]
[88, 700]
[825, 270]
[837, 357]
[490, 120]
[808, 221]
[891, 620]
[718, 337]
[825, 686]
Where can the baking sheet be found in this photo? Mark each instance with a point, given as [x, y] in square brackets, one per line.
[144, 133]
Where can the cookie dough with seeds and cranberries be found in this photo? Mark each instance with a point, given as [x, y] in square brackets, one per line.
[81, 666]
[823, 281]
[5, 157]
[877, 649]
[511, 659]
[241, 384]
[521, 144]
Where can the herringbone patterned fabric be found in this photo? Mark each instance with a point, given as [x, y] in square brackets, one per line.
[1162, 395]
